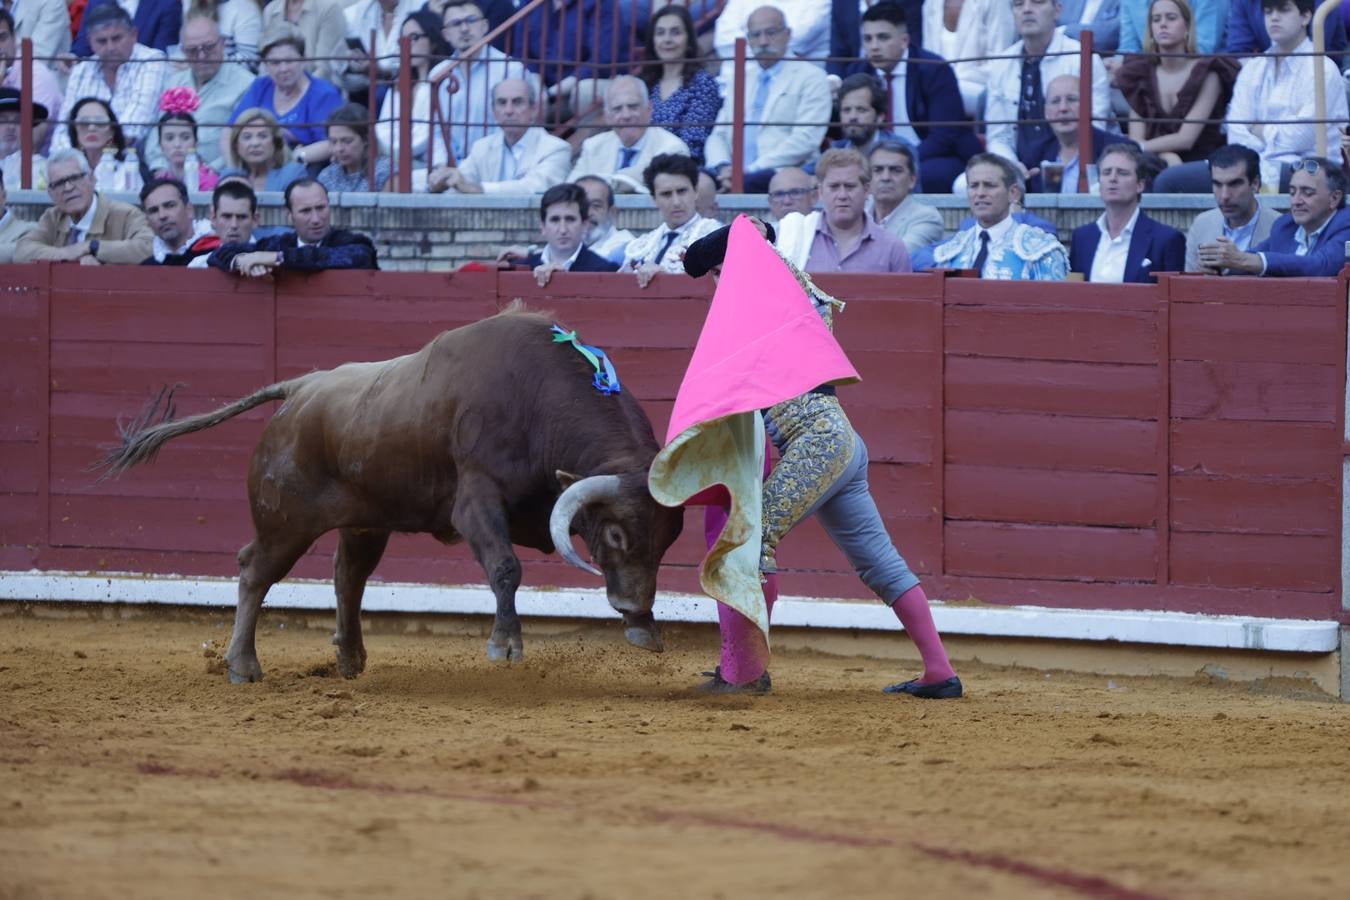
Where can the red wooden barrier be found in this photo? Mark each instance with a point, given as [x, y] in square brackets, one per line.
[1168, 447]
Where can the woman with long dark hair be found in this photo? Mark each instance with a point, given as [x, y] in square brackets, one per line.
[429, 49]
[684, 97]
[93, 130]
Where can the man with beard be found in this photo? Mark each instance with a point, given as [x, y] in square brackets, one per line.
[178, 239]
[602, 235]
[862, 108]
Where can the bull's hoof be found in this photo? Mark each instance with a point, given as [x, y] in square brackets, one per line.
[646, 637]
[504, 652]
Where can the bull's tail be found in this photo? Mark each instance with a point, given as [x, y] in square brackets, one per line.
[155, 426]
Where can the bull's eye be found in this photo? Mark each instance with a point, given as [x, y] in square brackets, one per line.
[614, 538]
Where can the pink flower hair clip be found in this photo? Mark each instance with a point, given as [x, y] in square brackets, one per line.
[179, 100]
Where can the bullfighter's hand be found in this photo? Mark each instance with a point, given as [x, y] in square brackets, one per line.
[759, 224]
[646, 273]
[544, 272]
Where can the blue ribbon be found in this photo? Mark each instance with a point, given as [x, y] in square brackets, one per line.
[606, 380]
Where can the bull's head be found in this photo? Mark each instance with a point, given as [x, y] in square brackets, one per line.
[627, 532]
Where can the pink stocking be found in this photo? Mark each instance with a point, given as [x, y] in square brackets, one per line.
[745, 652]
[911, 608]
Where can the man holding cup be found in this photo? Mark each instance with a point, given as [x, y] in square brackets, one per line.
[1058, 152]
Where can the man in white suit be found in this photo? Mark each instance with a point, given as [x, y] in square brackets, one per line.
[790, 99]
[1240, 217]
[11, 227]
[518, 158]
[621, 154]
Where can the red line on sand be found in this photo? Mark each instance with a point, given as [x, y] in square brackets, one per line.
[1087, 885]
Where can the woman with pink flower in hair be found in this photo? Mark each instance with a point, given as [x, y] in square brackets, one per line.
[178, 139]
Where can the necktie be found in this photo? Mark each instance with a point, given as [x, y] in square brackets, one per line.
[74, 237]
[1031, 127]
[756, 115]
[670, 239]
[508, 171]
[626, 155]
[983, 256]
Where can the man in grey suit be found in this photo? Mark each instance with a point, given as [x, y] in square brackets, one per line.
[893, 204]
[1235, 174]
[1102, 17]
[11, 227]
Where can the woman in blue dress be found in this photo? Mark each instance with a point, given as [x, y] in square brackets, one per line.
[300, 102]
[684, 97]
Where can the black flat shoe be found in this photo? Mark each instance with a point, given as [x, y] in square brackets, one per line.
[716, 684]
[940, 690]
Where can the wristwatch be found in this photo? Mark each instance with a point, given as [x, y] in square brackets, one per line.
[93, 248]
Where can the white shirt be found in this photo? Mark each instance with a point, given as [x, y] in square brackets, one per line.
[200, 227]
[366, 16]
[895, 81]
[134, 98]
[1279, 91]
[1090, 8]
[997, 235]
[546, 257]
[81, 228]
[644, 249]
[612, 243]
[1108, 263]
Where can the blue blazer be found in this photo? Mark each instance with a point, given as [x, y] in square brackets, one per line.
[1326, 257]
[1163, 246]
[1048, 149]
[1105, 24]
[555, 35]
[932, 95]
[157, 22]
[1247, 30]
[846, 33]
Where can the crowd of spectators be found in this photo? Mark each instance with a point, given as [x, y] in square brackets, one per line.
[848, 113]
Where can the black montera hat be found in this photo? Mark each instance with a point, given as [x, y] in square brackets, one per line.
[708, 252]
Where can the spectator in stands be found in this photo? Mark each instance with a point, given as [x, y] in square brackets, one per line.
[315, 244]
[1240, 217]
[478, 69]
[682, 93]
[1209, 18]
[923, 92]
[862, 110]
[1016, 85]
[969, 33]
[846, 30]
[48, 24]
[520, 157]
[1249, 32]
[997, 246]
[792, 190]
[1102, 18]
[602, 235]
[124, 73]
[93, 129]
[349, 136]
[11, 227]
[234, 216]
[705, 196]
[299, 102]
[178, 238]
[177, 133]
[11, 149]
[385, 18]
[218, 85]
[564, 225]
[808, 23]
[322, 26]
[156, 24]
[240, 24]
[429, 49]
[82, 225]
[623, 153]
[672, 180]
[846, 239]
[1198, 89]
[1124, 245]
[257, 150]
[776, 92]
[46, 87]
[573, 45]
[1307, 241]
[1055, 158]
[894, 205]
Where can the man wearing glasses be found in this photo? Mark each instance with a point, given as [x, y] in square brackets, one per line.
[791, 190]
[82, 226]
[477, 70]
[218, 83]
[1309, 240]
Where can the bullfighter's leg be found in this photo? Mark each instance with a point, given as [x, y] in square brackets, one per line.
[262, 563]
[358, 554]
[480, 517]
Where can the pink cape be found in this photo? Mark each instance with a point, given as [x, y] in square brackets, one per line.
[762, 343]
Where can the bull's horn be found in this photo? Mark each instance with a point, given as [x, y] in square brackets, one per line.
[569, 503]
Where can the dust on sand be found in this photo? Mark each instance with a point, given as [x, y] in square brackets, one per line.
[130, 768]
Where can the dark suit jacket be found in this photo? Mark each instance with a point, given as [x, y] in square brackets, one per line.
[1326, 257]
[1164, 247]
[932, 95]
[587, 261]
[340, 250]
[846, 32]
[157, 22]
[1247, 30]
[572, 32]
[1048, 149]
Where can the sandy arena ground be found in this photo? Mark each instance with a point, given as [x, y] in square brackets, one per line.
[130, 768]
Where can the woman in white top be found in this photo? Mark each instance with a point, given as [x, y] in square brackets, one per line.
[957, 30]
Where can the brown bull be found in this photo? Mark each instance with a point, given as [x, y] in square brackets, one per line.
[472, 437]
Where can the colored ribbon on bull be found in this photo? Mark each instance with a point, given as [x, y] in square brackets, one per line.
[606, 380]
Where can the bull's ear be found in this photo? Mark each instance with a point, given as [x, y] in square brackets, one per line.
[614, 537]
[566, 479]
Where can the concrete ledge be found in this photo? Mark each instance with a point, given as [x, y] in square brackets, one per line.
[1123, 626]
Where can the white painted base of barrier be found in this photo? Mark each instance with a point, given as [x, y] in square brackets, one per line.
[1132, 626]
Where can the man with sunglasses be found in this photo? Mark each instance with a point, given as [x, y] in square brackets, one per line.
[83, 226]
[1309, 240]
